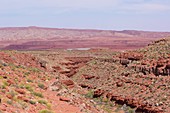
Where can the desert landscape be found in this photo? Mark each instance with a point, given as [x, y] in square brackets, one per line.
[50, 70]
[37, 38]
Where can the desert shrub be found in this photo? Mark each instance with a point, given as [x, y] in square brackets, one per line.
[12, 93]
[40, 85]
[29, 88]
[26, 73]
[29, 80]
[5, 83]
[48, 105]
[9, 102]
[3, 86]
[32, 102]
[35, 70]
[42, 101]
[89, 94]
[45, 111]
[38, 94]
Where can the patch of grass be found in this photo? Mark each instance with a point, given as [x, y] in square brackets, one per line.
[10, 102]
[35, 70]
[3, 91]
[40, 85]
[3, 86]
[29, 80]
[23, 104]
[5, 83]
[38, 94]
[89, 94]
[45, 111]
[29, 88]
[42, 102]
[48, 105]
[21, 86]
[20, 66]
[32, 102]
[27, 73]
[12, 93]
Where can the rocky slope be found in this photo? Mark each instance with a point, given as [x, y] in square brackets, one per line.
[25, 86]
[91, 81]
[139, 78]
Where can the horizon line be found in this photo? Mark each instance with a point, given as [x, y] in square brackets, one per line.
[72, 28]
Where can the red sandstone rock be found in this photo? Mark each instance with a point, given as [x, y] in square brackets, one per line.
[67, 82]
[88, 76]
[98, 93]
[21, 91]
[65, 99]
[23, 98]
[10, 82]
[9, 96]
[119, 84]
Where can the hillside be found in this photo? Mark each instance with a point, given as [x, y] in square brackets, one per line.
[86, 81]
[37, 38]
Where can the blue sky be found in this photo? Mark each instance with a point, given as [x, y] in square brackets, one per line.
[152, 15]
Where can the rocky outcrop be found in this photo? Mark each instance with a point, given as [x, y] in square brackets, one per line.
[124, 62]
[131, 56]
[73, 65]
[43, 64]
[67, 82]
[88, 76]
[161, 67]
[98, 93]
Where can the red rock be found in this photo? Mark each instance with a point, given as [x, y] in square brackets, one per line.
[161, 63]
[124, 62]
[9, 96]
[71, 73]
[85, 85]
[131, 56]
[21, 91]
[98, 93]
[64, 99]
[56, 68]
[23, 98]
[67, 82]
[10, 81]
[88, 76]
[119, 84]
[65, 71]
[168, 66]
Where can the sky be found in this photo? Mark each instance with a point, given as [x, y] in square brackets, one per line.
[148, 15]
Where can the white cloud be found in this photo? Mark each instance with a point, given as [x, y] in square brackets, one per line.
[145, 8]
[60, 6]
[89, 4]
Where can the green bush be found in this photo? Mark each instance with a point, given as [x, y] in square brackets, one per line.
[38, 94]
[42, 102]
[45, 111]
[89, 94]
[29, 88]
[40, 85]
[32, 102]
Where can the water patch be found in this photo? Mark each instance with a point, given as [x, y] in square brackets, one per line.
[81, 49]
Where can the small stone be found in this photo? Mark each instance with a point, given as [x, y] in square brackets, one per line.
[64, 99]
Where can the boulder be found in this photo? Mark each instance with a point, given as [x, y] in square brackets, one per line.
[20, 91]
[65, 99]
[88, 76]
[98, 93]
[67, 82]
